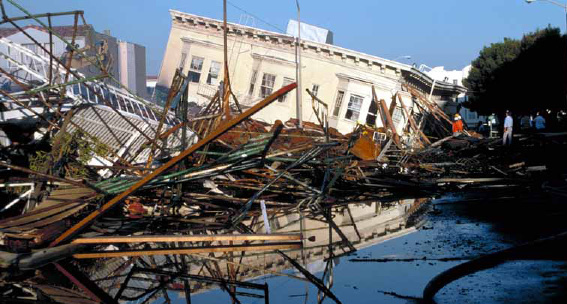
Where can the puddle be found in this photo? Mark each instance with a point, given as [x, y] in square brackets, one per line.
[400, 247]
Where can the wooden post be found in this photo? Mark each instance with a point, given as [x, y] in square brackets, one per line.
[412, 121]
[390, 123]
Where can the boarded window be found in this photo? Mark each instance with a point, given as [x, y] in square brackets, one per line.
[286, 81]
[214, 71]
[353, 109]
[267, 86]
[338, 103]
[252, 82]
[195, 69]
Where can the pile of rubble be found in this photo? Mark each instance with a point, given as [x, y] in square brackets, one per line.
[92, 171]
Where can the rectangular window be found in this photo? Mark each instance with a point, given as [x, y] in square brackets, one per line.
[195, 69]
[252, 82]
[267, 85]
[455, 81]
[353, 109]
[315, 89]
[30, 46]
[214, 71]
[338, 103]
[182, 61]
[286, 81]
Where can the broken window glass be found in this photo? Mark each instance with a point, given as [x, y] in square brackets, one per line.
[195, 69]
[338, 103]
[267, 85]
[214, 71]
[353, 109]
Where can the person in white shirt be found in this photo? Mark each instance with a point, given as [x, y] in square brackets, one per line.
[539, 122]
[508, 124]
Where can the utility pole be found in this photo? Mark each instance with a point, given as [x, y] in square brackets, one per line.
[298, 92]
[226, 86]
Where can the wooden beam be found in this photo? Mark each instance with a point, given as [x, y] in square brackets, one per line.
[193, 250]
[375, 99]
[186, 238]
[413, 124]
[390, 122]
[203, 142]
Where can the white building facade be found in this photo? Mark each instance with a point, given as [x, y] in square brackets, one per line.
[471, 118]
[260, 62]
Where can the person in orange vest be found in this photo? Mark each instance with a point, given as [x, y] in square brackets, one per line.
[457, 125]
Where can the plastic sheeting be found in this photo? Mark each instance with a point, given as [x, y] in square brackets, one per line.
[310, 32]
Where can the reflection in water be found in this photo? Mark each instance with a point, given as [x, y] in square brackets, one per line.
[328, 233]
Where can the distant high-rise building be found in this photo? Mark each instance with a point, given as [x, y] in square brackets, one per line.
[125, 61]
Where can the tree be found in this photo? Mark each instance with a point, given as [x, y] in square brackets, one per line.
[520, 75]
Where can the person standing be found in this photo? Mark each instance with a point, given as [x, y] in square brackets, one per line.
[508, 124]
[539, 122]
[457, 125]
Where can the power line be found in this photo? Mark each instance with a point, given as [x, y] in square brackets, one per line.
[256, 17]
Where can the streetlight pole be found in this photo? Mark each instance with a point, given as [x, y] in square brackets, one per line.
[564, 6]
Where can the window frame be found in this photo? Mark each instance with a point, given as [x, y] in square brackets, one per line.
[352, 109]
[338, 103]
[315, 89]
[211, 73]
[286, 81]
[253, 79]
[194, 71]
[265, 89]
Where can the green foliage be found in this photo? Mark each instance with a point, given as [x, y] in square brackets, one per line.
[39, 161]
[520, 75]
[71, 152]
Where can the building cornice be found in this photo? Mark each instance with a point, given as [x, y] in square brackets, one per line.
[273, 59]
[342, 56]
[202, 42]
[284, 39]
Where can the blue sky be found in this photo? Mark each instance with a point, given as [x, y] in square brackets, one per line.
[434, 32]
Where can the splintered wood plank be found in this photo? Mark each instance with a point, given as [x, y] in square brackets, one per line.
[46, 221]
[65, 195]
[186, 238]
[36, 215]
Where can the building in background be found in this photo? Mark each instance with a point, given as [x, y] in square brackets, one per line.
[151, 81]
[132, 67]
[124, 60]
[260, 62]
[471, 118]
